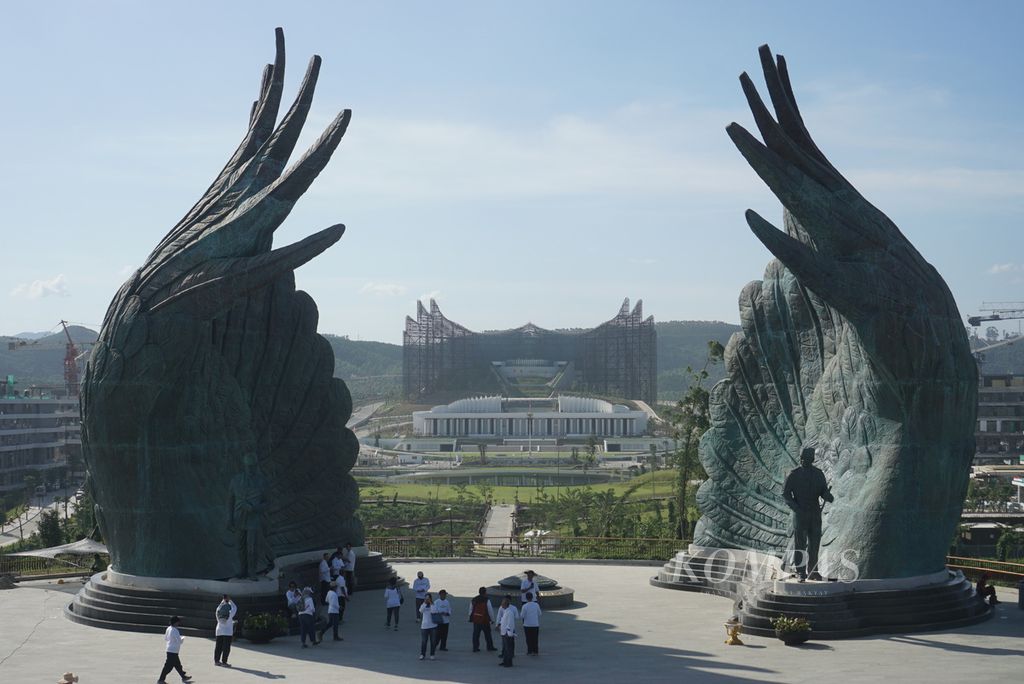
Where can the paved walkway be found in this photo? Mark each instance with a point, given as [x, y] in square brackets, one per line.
[499, 523]
[622, 630]
[30, 519]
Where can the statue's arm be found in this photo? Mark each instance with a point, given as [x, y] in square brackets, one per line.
[787, 492]
[826, 491]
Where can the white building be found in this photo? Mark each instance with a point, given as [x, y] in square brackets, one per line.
[529, 418]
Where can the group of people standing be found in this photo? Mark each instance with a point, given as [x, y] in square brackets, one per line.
[435, 617]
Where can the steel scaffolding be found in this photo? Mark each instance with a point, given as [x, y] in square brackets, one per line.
[617, 358]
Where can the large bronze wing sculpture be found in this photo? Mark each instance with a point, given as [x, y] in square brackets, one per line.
[213, 430]
[852, 344]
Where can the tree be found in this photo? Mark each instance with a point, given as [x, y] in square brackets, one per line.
[483, 453]
[1010, 545]
[50, 532]
[690, 420]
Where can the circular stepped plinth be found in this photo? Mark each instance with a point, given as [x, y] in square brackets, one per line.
[552, 596]
[836, 610]
[102, 603]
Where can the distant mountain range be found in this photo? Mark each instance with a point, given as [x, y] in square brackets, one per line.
[373, 370]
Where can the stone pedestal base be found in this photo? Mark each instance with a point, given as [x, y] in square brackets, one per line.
[761, 591]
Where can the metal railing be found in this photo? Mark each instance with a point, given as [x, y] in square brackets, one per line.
[1001, 571]
[27, 567]
[599, 548]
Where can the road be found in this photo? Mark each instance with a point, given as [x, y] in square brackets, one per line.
[30, 519]
[499, 523]
[363, 414]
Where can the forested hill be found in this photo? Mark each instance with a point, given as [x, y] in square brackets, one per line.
[373, 370]
[685, 343]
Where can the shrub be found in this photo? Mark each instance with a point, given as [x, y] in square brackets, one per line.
[791, 624]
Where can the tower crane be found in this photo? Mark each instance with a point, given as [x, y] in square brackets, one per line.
[71, 357]
[998, 311]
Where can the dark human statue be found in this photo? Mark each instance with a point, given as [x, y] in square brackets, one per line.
[247, 510]
[852, 342]
[208, 353]
[803, 488]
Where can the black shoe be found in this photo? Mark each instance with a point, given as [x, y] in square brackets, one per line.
[476, 650]
[186, 678]
[491, 649]
[442, 649]
[338, 639]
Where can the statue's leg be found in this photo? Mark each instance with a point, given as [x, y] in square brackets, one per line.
[813, 542]
[243, 554]
[800, 544]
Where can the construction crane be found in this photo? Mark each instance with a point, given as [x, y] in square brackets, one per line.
[998, 311]
[71, 357]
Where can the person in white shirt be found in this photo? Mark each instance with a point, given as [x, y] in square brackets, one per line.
[307, 624]
[343, 597]
[325, 576]
[528, 585]
[392, 601]
[443, 608]
[333, 611]
[337, 563]
[420, 587]
[481, 614]
[530, 613]
[428, 627]
[173, 639]
[350, 568]
[507, 628]
[225, 615]
[293, 597]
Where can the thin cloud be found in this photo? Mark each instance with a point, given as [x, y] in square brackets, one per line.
[1003, 268]
[37, 289]
[383, 289]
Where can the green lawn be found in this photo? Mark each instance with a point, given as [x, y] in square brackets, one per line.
[657, 484]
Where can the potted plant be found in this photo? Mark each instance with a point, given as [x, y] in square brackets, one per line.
[792, 630]
[260, 628]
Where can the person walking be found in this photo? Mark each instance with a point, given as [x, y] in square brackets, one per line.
[428, 626]
[173, 639]
[420, 587]
[343, 596]
[507, 629]
[393, 600]
[481, 615]
[530, 613]
[225, 630]
[307, 622]
[333, 612]
[444, 609]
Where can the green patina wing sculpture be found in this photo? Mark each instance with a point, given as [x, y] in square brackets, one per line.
[852, 344]
[213, 429]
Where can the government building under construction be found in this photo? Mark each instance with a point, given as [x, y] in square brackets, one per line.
[615, 359]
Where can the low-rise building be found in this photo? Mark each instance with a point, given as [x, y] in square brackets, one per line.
[495, 417]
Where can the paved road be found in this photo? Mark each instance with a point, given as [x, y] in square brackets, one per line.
[30, 519]
[499, 522]
[363, 414]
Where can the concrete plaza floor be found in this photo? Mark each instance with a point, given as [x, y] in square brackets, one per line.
[622, 631]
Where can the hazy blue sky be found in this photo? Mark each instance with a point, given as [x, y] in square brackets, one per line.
[518, 161]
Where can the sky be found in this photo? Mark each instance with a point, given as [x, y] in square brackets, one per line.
[530, 161]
